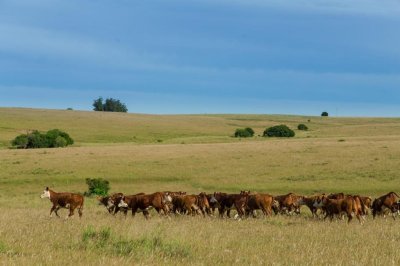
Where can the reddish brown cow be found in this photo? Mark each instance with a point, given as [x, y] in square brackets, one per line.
[348, 205]
[156, 200]
[388, 201]
[191, 204]
[289, 203]
[263, 202]
[367, 203]
[66, 200]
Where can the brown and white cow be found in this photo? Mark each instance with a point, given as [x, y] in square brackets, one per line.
[110, 201]
[66, 200]
[312, 203]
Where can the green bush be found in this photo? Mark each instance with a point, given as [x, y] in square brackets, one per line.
[97, 186]
[279, 131]
[324, 114]
[35, 139]
[244, 132]
[302, 127]
[110, 105]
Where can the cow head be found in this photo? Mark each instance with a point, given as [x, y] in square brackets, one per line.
[122, 203]
[46, 193]
[245, 192]
[167, 197]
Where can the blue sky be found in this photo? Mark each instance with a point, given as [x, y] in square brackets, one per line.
[203, 56]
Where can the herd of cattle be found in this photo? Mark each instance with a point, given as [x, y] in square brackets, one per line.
[245, 203]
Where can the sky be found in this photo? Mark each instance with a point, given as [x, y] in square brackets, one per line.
[203, 56]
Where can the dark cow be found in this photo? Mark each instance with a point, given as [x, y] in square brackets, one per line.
[66, 200]
[173, 194]
[156, 200]
[228, 201]
[109, 201]
[388, 201]
[263, 202]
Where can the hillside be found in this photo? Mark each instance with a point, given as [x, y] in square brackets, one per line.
[93, 128]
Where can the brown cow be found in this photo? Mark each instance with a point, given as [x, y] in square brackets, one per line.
[191, 204]
[388, 201]
[156, 200]
[263, 202]
[66, 200]
[348, 205]
[289, 203]
[367, 203]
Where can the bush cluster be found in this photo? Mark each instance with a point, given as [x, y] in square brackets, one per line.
[51, 139]
[324, 114]
[110, 105]
[244, 132]
[302, 127]
[279, 131]
[97, 186]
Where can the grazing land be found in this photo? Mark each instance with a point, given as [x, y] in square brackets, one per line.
[195, 153]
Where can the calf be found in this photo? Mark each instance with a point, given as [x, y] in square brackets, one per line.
[191, 204]
[66, 200]
[310, 201]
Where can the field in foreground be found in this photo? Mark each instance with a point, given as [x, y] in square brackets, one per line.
[343, 154]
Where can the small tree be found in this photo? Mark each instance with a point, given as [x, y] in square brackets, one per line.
[98, 104]
[279, 131]
[324, 114]
[244, 132]
[97, 186]
[302, 127]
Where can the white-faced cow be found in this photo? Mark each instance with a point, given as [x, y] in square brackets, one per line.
[66, 200]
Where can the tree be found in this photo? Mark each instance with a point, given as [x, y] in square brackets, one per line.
[110, 105]
[98, 104]
[302, 127]
[324, 114]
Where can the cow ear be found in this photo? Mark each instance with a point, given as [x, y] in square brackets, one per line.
[47, 189]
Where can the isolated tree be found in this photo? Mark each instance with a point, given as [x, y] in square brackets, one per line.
[110, 105]
[324, 114]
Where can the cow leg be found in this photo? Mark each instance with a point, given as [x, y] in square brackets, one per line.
[71, 212]
[56, 211]
[53, 209]
[134, 210]
[80, 211]
[146, 214]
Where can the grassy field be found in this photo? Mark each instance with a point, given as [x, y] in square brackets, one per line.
[194, 153]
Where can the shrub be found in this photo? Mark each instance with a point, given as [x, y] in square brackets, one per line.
[244, 132]
[279, 131]
[97, 186]
[324, 114]
[35, 139]
[302, 127]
